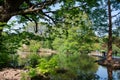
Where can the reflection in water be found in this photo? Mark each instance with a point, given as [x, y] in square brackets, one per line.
[79, 67]
[109, 71]
[102, 73]
[108, 74]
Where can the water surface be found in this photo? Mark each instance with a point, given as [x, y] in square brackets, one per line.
[102, 72]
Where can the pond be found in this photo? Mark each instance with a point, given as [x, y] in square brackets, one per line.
[102, 73]
[75, 67]
[94, 72]
[106, 73]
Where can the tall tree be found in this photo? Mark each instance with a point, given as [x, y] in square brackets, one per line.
[109, 54]
[105, 18]
[113, 6]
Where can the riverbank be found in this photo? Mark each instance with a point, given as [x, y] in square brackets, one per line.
[114, 63]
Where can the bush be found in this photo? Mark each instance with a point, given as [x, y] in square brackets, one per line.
[47, 65]
[73, 64]
[31, 60]
[34, 46]
[4, 60]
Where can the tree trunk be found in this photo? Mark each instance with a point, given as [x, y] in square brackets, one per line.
[109, 54]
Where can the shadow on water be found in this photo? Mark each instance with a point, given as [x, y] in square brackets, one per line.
[107, 73]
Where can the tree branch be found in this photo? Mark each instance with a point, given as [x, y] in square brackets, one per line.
[27, 18]
[116, 14]
[48, 17]
[12, 8]
[44, 3]
[36, 8]
[32, 20]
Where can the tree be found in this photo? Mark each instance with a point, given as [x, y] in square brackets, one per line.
[34, 10]
[75, 34]
[109, 54]
[9, 8]
[105, 18]
[112, 4]
[24, 10]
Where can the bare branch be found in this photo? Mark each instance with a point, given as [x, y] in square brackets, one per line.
[116, 14]
[49, 17]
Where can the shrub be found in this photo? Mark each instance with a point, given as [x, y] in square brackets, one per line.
[71, 63]
[4, 60]
[30, 60]
[47, 65]
[34, 46]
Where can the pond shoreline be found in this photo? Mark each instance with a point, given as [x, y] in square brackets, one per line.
[114, 63]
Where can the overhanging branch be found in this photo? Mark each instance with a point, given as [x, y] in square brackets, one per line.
[48, 17]
[36, 8]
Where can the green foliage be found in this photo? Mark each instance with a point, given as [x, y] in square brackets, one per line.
[13, 60]
[2, 24]
[75, 65]
[4, 60]
[75, 42]
[116, 48]
[25, 76]
[47, 43]
[47, 65]
[10, 42]
[31, 60]
[32, 72]
[75, 34]
[8, 46]
[34, 45]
